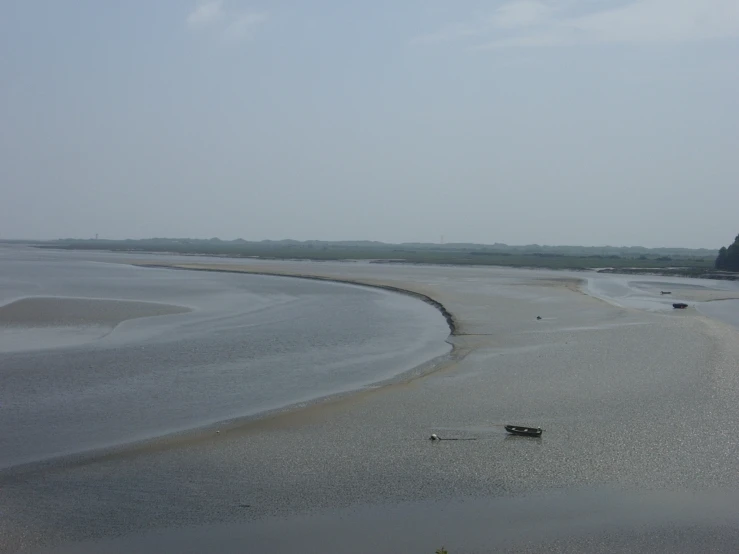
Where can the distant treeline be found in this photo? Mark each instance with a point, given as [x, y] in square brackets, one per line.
[728, 258]
[534, 255]
[627, 251]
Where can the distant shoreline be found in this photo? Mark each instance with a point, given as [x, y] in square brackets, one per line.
[555, 258]
[263, 419]
[572, 257]
[715, 275]
[363, 457]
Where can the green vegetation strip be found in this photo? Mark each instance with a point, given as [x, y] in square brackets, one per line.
[554, 257]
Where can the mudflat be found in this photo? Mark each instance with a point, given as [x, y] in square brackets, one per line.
[638, 451]
[45, 311]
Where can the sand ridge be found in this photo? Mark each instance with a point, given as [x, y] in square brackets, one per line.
[65, 311]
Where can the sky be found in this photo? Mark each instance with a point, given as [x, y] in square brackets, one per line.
[588, 122]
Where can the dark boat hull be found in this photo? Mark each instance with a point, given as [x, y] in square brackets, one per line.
[524, 431]
[680, 306]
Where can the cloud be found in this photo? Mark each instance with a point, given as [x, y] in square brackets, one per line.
[535, 23]
[663, 20]
[522, 13]
[205, 13]
[231, 26]
[243, 26]
[507, 17]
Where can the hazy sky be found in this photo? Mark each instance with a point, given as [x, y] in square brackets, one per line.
[554, 122]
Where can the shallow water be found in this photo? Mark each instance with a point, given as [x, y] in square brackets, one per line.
[645, 293]
[638, 453]
[724, 310]
[555, 521]
[79, 374]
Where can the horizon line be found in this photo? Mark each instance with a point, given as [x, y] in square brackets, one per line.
[446, 243]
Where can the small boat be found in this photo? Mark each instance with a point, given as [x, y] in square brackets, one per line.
[680, 305]
[665, 292]
[524, 431]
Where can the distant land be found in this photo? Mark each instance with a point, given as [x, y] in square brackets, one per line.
[622, 259]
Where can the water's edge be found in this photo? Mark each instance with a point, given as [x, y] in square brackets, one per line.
[448, 316]
[207, 429]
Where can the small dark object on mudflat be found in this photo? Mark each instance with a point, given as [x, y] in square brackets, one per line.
[524, 431]
[538, 317]
[680, 305]
[665, 292]
[435, 437]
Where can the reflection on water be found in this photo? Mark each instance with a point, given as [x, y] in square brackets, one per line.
[646, 294]
[724, 310]
[590, 520]
[630, 400]
[19, 339]
[98, 369]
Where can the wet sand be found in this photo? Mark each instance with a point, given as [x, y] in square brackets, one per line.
[52, 322]
[638, 452]
[689, 292]
[56, 311]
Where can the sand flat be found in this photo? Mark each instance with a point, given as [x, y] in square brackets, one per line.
[62, 311]
[638, 410]
[52, 322]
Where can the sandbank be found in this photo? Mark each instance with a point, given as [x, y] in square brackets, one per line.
[638, 410]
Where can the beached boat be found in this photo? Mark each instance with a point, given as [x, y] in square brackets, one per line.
[524, 431]
[665, 292]
[680, 305]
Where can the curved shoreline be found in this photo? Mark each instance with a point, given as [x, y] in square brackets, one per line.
[448, 316]
[272, 416]
[589, 373]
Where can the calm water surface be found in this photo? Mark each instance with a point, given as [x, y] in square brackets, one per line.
[725, 310]
[241, 345]
[638, 402]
